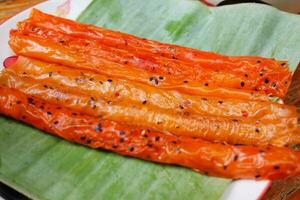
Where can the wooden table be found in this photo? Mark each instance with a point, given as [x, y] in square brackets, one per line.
[287, 189]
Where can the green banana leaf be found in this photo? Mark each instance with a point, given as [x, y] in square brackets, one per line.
[46, 167]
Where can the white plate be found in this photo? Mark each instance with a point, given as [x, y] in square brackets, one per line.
[237, 190]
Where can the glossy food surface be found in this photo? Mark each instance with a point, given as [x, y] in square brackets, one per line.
[160, 36]
[95, 48]
[275, 129]
[215, 159]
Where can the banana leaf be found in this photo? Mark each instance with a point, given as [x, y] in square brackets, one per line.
[46, 167]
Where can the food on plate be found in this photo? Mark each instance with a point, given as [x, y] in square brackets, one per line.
[269, 129]
[117, 89]
[154, 101]
[33, 47]
[209, 158]
[84, 46]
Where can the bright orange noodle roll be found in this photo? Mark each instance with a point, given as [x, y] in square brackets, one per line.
[238, 130]
[185, 64]
[40, 49]
[120, 90]
[227, 161]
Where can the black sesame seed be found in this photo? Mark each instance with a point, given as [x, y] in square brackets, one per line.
[181, 107]
[131, 149]
[49, 113]
[258, 61]
[220, 102]
[206, 84]
[74, 114]
[257, 176]
[225, 167]
[18, 102]
[98, 128]
[144, 102]
[276, 167]
[274, 85]
[237, 144]
[150, 145]
[246, 75]
[56, 122]
[101, 82]
[257, 130]
[145, 135]
[266, 81]
[82, 137]
[174, 142]
[45, 86]
[157, 138]
[114, 146]
[122, 133]
[30, 100]
[185, 81]
[89, 141]
[161, 78]
[204, 99]
[236, 157]
[109, 80]
[235, 120]
[153, 79]
[50, 74]
[283, 64]
[91, 79]
[242, 84]
[122, 140]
